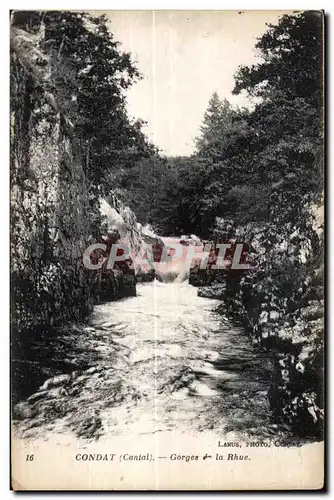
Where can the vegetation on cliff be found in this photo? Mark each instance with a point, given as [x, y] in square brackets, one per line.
[69, 132]
[258, 171]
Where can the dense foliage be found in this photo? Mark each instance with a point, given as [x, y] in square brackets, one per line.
[240, 154]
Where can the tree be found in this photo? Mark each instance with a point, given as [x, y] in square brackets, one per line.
[217, 119]
[89, 78]
[288, 118]
[291, 54]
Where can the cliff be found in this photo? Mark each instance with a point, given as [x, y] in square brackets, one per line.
[280, 302]
[54, 205]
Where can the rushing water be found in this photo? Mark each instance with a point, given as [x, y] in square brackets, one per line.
[162, 361]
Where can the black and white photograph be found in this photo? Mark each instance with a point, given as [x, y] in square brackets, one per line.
[167, 249]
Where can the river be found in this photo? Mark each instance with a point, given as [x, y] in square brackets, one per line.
[163, 361]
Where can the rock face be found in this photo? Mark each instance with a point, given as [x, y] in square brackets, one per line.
[54, 211]
[280, 303]
[49, 198]
[120, 221]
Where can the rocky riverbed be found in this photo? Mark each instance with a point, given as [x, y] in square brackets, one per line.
[163, 361]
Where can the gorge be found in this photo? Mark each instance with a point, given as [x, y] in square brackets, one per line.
[97, 353]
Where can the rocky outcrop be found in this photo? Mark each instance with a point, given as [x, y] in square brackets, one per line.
[200, 277]
[146, 276]
[215, 291]
[55, 209]
[120, 224]
[49, 198]
[280, 303]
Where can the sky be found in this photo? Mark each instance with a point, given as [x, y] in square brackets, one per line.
[185, 56]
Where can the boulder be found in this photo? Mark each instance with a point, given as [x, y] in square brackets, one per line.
[215, 291]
